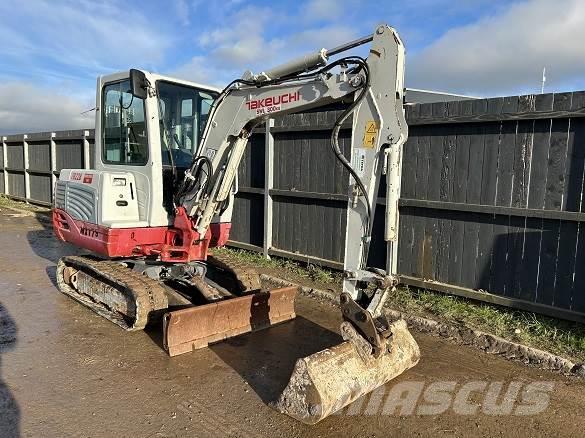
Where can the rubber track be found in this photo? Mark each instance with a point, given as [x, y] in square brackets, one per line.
[247, 278]
[148, 294]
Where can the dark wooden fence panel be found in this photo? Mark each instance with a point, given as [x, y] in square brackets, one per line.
[14, 168]
[15, 155]
[91, 142]
[69, 154]
[249, 211]
[309, 187]
[39, 170]
[491, 199]
[16, 183]
[309, 227]
[505, 174]
[40, 188]
[30, 163]
[39, 156]
[249, 205]
[2, 188]
[491, 207]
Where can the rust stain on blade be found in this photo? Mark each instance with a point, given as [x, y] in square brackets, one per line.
[189, 329]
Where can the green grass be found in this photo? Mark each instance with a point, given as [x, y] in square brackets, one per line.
[557, 336]
[6, 202]
[306, 271]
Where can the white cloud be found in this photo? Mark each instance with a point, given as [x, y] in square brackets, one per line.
[198, 70]
[25, 108]
[52, 51]
[61, 45]
[247, 52]
[506, 53]
[80, 34]
[316, 10]
[323, 37]
[243, 43]
[240, 24]
[240, 41]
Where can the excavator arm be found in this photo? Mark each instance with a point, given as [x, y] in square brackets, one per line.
[379, 132]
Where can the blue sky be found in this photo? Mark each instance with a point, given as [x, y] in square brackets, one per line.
[52, 50]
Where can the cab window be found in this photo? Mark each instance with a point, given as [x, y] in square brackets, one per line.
[183, 113]
[124, 139]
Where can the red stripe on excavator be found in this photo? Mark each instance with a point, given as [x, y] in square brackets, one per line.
[132, 242]
[110, 242]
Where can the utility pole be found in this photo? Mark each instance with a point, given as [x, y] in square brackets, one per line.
[543, 80]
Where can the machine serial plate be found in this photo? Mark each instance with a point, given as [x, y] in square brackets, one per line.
[358, 161]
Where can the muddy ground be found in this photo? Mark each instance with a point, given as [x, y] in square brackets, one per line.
[64, 371]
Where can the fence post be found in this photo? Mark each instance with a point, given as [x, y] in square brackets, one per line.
[268, 183]
[53, 146]
[4, 165]
[86, 157]
[26, 165]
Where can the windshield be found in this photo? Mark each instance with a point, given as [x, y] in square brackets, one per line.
[183, 113]
[124, 138]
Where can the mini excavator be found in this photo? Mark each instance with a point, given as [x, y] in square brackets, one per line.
[161, 195]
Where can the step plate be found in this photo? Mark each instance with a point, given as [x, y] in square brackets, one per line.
[189, 329]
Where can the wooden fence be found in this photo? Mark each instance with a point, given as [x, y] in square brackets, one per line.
[491, 207]
[30, 163]
[491, 204]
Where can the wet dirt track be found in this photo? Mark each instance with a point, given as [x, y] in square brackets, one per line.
[64, 371]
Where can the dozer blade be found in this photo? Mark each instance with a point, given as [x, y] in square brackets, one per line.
[196, 327]
[331, 379]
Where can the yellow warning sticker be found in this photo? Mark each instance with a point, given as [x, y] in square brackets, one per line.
[370, 134]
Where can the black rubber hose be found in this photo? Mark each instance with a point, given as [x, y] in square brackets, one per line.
[339, 155]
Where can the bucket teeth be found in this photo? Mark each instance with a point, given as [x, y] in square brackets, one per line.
[331, 379]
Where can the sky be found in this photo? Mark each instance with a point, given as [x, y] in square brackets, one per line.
[52, 51]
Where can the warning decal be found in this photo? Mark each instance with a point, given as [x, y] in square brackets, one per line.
[370, 134]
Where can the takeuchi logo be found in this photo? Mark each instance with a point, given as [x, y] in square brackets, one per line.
[273, 100]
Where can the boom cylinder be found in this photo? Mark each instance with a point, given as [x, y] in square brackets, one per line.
[304, 63]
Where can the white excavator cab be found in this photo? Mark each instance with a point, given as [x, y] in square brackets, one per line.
[146, 135]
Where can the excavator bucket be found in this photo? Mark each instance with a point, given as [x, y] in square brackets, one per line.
[196, 327]
[331, 379]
